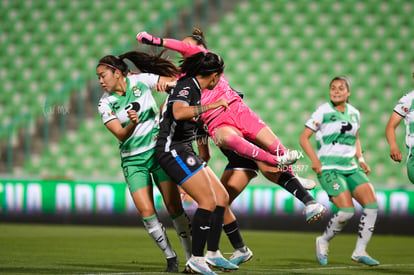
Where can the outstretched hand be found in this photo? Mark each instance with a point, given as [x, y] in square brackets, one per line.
[146, 38]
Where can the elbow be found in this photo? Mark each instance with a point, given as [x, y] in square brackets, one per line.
[180, 116]
[122, 139]
[389, 130]
[302, 141]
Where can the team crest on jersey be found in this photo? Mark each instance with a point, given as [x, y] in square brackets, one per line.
[191, 161]
[315, 123]
[336, 186]
[183, 93]
[137, 92]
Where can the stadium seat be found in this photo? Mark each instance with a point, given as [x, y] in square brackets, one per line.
[281, 54]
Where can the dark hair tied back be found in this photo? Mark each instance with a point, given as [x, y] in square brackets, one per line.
[202, 63]
[114, 63]
[146, 63]
[198, 36]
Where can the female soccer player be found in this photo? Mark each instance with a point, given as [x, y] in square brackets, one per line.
[336, 124]
[403, 109]
[239, 129]
[237, 174]
[129, 112]
[174, 151]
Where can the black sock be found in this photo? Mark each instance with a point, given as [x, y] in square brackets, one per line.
[216, 228]
[292, 184]
[200, 228]
[233, 233]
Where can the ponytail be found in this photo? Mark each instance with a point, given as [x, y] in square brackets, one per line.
[146, 63]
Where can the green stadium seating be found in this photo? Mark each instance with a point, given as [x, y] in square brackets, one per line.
[308, 43]
[280, 54]
[46, 44]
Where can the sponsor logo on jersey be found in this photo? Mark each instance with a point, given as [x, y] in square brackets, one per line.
[404, 108]
[191, 161]
[111, 113]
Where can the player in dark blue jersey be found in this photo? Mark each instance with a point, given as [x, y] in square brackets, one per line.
[175, 153]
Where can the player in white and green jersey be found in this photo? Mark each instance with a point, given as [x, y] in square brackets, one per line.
[138, 96]
[341, 169]
[129, 112]
[403, 110]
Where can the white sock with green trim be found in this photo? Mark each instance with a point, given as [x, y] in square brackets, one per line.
[182, 225]
[156, 230]
[366, 229]
[336, 224]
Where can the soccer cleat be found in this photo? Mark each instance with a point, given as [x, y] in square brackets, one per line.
[198, 265]
[322, 251]
[308, 184]
[290, 157]
[240, 257]
[172, 265]
[364, 258]
[215, 259]
[314, 212]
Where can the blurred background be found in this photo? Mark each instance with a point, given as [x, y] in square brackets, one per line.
[281, 54]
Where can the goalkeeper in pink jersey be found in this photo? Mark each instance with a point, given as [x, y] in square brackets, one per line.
[240, 130]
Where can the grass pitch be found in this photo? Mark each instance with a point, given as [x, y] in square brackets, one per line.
[68, 249]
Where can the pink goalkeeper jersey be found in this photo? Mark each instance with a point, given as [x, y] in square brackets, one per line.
[222, 90]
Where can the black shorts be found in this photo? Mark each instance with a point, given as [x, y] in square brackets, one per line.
[238, 162]
[180, 163]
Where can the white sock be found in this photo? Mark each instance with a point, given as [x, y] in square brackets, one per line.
[214, 254]
[366, 228]
[182, 226]
[336, 224]
[157, 232]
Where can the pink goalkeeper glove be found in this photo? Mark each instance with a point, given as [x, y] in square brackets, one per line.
[148, 39]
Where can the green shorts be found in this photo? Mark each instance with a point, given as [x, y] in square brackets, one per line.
[410, 168]
[142, 170]
[334, 182]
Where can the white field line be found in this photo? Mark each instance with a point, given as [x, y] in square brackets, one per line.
[269, 270]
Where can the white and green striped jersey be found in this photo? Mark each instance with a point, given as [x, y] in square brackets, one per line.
[112, 106]
[335, 136]
[405, 108]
